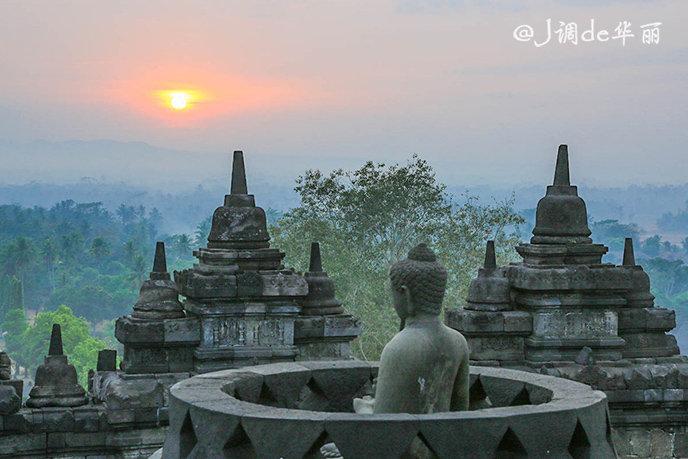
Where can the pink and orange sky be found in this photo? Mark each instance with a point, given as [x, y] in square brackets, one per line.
[356, 79]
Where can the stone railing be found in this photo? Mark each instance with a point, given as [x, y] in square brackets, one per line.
[290, 410]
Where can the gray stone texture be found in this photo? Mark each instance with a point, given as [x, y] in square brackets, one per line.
[56, 380]
[590, 322]
[10, 402]
[208, 419]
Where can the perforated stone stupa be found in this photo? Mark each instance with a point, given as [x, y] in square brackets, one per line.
[245, 300]
[56, 380]
[564, 312]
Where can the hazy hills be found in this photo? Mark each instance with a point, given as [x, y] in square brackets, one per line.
[186, 186]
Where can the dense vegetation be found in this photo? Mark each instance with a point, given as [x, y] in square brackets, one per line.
[371, 217]
[80, 265]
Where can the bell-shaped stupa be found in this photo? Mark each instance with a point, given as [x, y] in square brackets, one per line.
[56, 380]
[490, 290]
[321, 296]
[239, 224]
[244, 298]
[158, 297]
[643, 326]
[561, 216]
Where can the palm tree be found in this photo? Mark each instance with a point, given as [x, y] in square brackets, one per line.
[49, 253]
[100, 248]
[24, 254]
[138, 271]
[181, 245]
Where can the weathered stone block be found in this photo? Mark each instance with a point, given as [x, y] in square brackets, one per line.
[645, 319]
[577, 324]
[284, 284]
[84, 440]
[139, 393]
[28, 443]
[55, 441]
[180, 359]
[519, 322]
[187, 330]
[130, 331]
[87, 419]
[10, 402]
[145, 360]
[107, 360]
[661, 443]
[649, 344]
[57, 419]
[496, 347]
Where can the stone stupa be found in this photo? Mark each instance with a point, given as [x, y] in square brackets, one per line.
[56, 380]
[158, 297]
[244, 298]
[321, 298]
[10, 389]
[564, 312]
[323, 329]
[157, 337]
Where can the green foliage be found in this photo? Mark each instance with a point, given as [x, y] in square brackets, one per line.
[369, 218]
[76, 254]
[674, 221]
[612, 233]
[16, 324]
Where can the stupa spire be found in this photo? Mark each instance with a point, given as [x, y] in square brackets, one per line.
[238, 174]
[316, 260]
[561, 172]
[55, 341]
[628, 255]
[321, 298]
[56, 380]
[561, 216]
[160, 261]
[238, 223]
[490, 258]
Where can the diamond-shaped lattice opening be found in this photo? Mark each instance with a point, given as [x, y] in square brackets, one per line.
[579, 446]
[266, 397]
[313, 398]
[510, 446]
[187, 437]
[477, 396]
[522, 398]
[238, 445]
[420, 447]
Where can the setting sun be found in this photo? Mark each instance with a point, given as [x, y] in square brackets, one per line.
[179, 100]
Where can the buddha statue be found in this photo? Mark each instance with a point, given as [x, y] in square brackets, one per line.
[424, 368]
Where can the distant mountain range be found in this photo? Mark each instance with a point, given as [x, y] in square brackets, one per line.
[186, 186]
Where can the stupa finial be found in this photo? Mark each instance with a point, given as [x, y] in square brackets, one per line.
[160, 261]
[55, 341]
[628, 256]
[490, 258]
[316, 259]
[561, 172]
[238, 174]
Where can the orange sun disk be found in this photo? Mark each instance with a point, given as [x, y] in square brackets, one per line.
[180, 99]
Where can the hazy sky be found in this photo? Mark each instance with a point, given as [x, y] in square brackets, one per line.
[357, 79]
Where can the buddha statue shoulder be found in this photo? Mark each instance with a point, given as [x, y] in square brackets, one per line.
[424, 368]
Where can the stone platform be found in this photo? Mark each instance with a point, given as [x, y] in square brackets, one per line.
[292, 409]
[562, 311]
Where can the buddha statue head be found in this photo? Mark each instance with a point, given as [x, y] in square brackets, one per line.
[418, 283]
